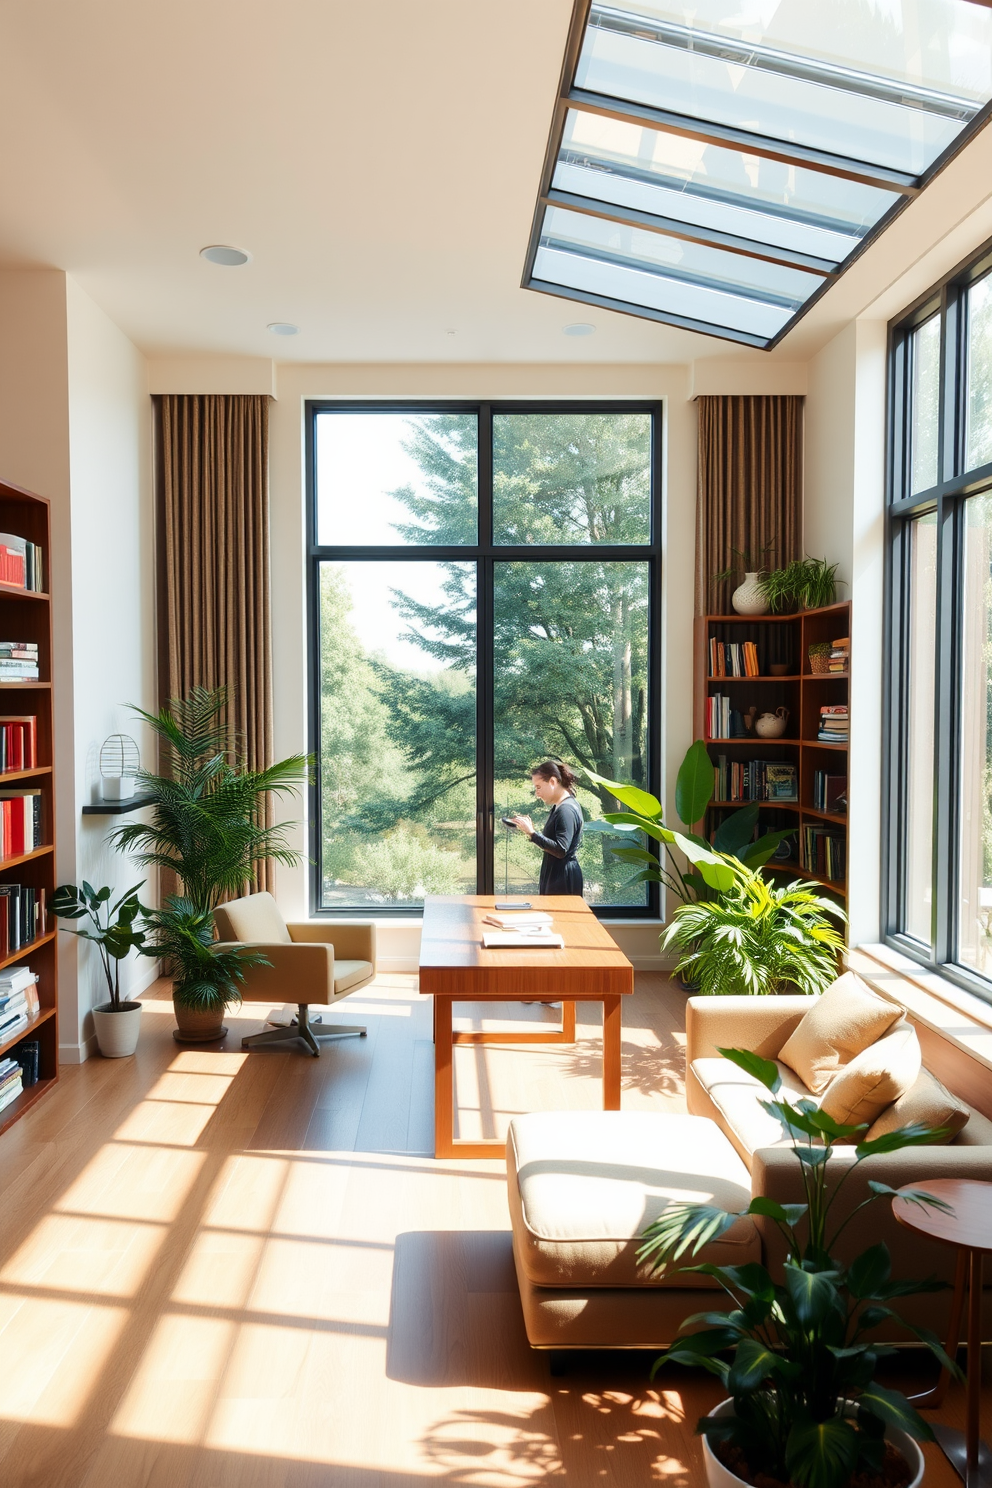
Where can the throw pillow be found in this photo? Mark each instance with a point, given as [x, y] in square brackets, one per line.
[927, 1102]
[845, 1019]
[875, 1078]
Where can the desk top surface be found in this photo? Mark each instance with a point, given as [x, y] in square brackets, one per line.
[453, 930]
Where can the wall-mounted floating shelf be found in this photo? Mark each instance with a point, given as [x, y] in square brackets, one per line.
[117, 808]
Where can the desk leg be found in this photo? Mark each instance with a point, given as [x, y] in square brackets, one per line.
[444, 1082]
[930, 1399]
[568, 1022]
[969, 1456]
[612, 1032]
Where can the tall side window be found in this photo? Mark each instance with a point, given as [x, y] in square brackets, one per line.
[938, 871]
[484, 587]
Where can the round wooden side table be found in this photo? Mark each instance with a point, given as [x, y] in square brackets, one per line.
[968, 1227]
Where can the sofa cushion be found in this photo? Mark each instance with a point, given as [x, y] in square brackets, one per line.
[875, 1078]
[737, 1097]
[584, 1184]
[926, 1101]
[348, 974]
[845, 1020]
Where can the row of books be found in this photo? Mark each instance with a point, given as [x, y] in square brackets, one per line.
[20, 822]
[822, 851]
[18, 742]
[18, 1000]
[839, 659]
[829, 792]
[733, 659]
[11, 1081]
[754, 780]
[23, 916]
[834, 724]
[21, 563]
[18, 661]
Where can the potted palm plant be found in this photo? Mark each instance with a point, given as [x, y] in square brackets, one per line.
[804, 1408]
[113, 931]
[207, 827]
[206, 978]
[757, 937]
[803, 584]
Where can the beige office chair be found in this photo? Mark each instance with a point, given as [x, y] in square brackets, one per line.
[310, 964]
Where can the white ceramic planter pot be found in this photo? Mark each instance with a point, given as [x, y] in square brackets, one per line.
[117, 1029]
[718, 1476]
[749, 598]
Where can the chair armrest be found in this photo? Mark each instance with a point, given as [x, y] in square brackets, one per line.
[761, 1024]
[775, 1174]
[297, 973]
[353, 940]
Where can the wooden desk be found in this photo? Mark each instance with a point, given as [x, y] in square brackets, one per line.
[968, 1227]
[455, 967]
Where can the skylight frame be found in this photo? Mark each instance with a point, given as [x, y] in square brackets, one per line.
[571, 97]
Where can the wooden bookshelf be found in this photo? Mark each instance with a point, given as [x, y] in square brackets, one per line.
[782, 640]
[25, 615]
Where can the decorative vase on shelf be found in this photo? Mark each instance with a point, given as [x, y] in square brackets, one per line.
[749, 598]
[772, 725]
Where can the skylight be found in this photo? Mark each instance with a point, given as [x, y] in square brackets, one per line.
[715, 166]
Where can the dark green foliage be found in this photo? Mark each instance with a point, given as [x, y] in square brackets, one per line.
[804, 584]
[205, 977]
[208, 823]
[113, 929]
[797, 1342]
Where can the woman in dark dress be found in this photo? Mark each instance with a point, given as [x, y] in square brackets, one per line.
[562, 834]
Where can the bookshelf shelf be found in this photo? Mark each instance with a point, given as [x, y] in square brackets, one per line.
[26, 615]
[779, 640]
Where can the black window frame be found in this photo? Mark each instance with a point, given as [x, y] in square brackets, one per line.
[485, 554]
[947, 498]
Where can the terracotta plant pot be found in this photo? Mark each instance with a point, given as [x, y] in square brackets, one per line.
[718, 1476]
[117, 1028]
[196, 1026]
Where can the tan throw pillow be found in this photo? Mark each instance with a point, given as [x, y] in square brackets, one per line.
[927, 1102]
[875, 1078]
[844, 1020]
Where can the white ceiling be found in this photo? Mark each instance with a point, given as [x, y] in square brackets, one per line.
[379, 160]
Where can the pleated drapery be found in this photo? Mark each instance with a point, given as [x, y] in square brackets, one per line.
[214, 606]
[749, 488]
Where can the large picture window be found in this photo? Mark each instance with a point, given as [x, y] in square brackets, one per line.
[484, 586]
[938, 872]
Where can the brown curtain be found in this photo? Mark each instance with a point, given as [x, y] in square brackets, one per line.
[749, 489]
[214, 610]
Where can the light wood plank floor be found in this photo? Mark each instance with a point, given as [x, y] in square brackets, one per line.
[222, 1269]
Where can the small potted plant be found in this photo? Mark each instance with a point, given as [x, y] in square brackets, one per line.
[803, 584]
[819, 657]
[804, 1406]
[205, 977]
[113, 932]
[757, 938]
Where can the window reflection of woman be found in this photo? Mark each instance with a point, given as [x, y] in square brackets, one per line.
[559, 841]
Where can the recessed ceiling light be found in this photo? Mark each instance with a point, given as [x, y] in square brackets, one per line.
[578, 328]
[283, 328]
[224, 254]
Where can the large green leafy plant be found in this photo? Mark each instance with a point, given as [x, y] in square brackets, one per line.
[207, 818]
[757, 937]
[206, 978]
[712, 865]
[801, 1368]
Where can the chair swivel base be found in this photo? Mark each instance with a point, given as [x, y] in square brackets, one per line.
[302, 1028]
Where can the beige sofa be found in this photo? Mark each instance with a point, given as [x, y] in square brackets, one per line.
[583, 1185]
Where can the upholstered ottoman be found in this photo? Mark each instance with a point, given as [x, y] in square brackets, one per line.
[582, 1186]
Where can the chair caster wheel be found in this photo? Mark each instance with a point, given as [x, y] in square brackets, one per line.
[364, 1033]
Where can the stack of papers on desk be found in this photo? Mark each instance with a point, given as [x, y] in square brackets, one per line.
[521, 940]
[533, 919]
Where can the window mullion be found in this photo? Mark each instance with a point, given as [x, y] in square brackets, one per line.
[485, 824]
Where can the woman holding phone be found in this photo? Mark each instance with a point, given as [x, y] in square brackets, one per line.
[562, 833]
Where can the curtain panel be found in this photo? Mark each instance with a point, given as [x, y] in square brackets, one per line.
[749, 489]
[214, 602]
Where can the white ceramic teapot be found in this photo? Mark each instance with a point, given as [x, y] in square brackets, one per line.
[772, 725]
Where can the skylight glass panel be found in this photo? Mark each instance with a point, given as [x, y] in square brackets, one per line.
[891, 84]
[682, 279]
[725, 190]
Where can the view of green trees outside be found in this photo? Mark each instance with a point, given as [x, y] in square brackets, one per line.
[399, 648]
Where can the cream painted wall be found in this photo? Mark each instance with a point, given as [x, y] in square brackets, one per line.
[113, 639]
[296, 384]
